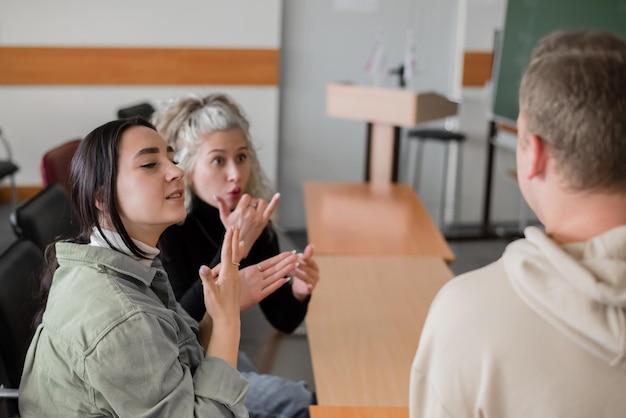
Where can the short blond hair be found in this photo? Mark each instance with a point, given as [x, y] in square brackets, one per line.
[573, 96]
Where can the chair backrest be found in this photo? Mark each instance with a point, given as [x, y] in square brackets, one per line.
[55, 164]
[45, 217]
[20, 269]
[8, 167]
[144, 110]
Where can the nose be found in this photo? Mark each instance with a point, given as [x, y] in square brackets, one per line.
[175, 172]
[233, 172]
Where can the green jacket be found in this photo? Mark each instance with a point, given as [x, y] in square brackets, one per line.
[115, 343]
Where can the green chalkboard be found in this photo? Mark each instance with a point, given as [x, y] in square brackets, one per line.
[529, 20]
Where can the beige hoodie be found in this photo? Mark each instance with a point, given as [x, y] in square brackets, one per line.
[541, 332]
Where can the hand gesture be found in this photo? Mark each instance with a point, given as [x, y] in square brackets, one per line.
[251, 216]
[306, 275]
[221, 299]
[262, 279]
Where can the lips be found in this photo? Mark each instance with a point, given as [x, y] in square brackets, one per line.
[176, 195]
[235, 193]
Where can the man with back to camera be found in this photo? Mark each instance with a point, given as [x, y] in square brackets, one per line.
[542, 331]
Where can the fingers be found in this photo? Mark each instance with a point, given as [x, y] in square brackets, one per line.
[309, 250]
[234, 246]
[227, 214]
[308, 270]
[208, 277]
[271, 207]
[222, 206]
[238, 247]
[273, 286]
[307, 265]
[242, 250]
[277, 262]
[216, 270]
[230, 251]
[245, 202]
[248, 203]
[274, 269]
[278, 273]
[259, 206]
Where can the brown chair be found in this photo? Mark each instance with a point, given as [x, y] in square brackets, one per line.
[55, 164]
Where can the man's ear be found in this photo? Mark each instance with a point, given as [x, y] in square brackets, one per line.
[537, 156]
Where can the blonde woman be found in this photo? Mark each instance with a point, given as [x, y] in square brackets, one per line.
[226, 187]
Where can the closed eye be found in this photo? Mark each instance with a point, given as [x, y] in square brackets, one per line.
[148, 165]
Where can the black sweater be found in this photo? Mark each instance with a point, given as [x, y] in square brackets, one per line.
[198, 241]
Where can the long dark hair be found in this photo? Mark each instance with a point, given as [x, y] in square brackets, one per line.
[93, 177]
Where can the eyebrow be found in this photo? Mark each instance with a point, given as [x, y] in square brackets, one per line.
[153, 150]
[245, 147]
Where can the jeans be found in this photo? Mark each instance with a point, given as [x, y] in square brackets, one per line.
[272, 396]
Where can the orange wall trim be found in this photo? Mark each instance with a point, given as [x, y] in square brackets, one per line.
[507, 128]
[23, 193]
[138, 66]
[167, 66]
[476, 68]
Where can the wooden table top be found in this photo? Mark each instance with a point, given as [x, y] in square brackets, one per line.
[371, 219]
[319, 411]
[363, 325]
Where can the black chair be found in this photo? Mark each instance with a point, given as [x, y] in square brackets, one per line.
[8, 168]
[449, 139]
[144, 110]
[20, 269]
[45, 217]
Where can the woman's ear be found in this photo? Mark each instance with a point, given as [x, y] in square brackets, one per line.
[99, 201]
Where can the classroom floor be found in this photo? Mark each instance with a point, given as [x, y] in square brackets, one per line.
[288, 355]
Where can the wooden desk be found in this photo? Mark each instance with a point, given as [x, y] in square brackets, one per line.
[318, 411]
[371, 219]
[364, 323]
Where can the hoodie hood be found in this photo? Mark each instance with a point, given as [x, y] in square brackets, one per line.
[580, 288]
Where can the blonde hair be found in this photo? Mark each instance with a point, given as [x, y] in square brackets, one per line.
[184, 122]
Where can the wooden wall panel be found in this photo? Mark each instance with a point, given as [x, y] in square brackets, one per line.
[476, 68]
[138, 66]
[507, 128]
[23, 193]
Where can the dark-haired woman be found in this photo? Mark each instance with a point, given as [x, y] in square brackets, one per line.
[113, 341]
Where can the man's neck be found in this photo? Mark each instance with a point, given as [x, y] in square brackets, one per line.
[579, 217]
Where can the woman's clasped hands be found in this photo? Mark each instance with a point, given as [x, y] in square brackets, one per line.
[251, 216]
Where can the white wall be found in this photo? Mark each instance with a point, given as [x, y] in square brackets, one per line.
[36, 118]
[318, 45]
[321, 45]
[203, 23]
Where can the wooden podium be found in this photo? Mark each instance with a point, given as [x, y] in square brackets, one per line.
[385, 109]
